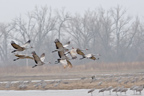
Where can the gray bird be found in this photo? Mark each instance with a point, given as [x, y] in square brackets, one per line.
[109, 89]
[38, 60]
[102, 90]
[20, 48]
[91, 91]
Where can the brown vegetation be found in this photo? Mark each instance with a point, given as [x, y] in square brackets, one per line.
[51, 72]
[82, 69]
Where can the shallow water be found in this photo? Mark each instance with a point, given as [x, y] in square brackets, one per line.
[76, 92]
[44, 80]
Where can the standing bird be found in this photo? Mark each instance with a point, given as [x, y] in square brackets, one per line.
[109, 89]
[8, 84]
[38, 60]
[102, 90]
[133, 88]
[18, 47]
[91, 91]
[22, 57]
[115, 89]
[123, 90]
[139, 89]
[93, 78]
[99, 84]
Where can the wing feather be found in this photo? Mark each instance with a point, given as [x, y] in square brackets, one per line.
[93, 58]
[80, 52]
[14, 45]
[36, 58]
[59, 45]
[23, 56]
[26, 44]
[67, 44]
[61, 54]
[63, 62]
[69, 63]
[42, 57]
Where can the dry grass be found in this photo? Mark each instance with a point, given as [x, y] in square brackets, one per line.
[89, 68]
[46, 72]
[74, 84]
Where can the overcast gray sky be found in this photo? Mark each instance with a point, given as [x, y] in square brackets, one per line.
[12, 8]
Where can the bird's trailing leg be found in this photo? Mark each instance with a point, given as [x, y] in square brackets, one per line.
[110, 92]
[15, 59]
[97, 58]
[54, 51]
[82, 58]
[34, 66]
[13, 51]
[74, 57]
[91, 94]
[49, 62]
[56, 62]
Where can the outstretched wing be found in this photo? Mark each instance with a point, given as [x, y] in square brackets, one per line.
[67, 44]
[36, 58]
[14, 45]
[64, 63]
[18, 55]
[59, 45]
[42, 57]
[80, 52]
[61, 54]
[69, 64]
[93, 58]
[27, 43]
[23, 56]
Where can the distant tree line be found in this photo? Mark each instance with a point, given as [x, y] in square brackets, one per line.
[112, 33]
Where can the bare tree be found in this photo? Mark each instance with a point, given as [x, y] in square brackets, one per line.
[121, 28]
[103, 33]
[36, 27]
[135, 41]
[5, 30]
[62, 18]
[40, 23]
[80, 29]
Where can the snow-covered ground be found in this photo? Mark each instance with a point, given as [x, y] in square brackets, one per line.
[76, 92]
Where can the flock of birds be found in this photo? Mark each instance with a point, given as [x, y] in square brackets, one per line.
[123, 84]
[121, 90]
[62, 50]
[118, 84]
[64, 54]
